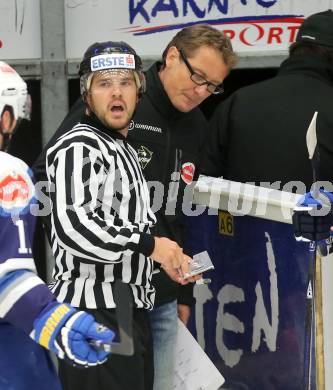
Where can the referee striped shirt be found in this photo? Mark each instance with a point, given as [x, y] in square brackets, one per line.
[100, 218]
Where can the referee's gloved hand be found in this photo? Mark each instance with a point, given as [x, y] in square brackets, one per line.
[67, 332]
[312, 218]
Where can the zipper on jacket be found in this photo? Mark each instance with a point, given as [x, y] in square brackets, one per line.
[173, 185]
[166, 161]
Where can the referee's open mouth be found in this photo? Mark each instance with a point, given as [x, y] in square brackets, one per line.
[117, 108]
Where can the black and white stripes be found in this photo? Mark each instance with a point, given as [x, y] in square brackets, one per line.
[100, 218]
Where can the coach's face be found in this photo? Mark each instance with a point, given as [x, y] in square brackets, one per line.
[189, 81]
[112, 97]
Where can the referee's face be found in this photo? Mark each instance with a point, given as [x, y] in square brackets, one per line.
[112, 97]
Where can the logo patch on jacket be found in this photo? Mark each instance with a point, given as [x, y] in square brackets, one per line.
[14, 192]
[144, 156]
[131, 125]
[141, 126]
[187, 172]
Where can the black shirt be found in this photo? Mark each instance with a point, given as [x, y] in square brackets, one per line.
[258, 134]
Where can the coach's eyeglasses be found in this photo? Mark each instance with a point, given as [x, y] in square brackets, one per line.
[200, 80]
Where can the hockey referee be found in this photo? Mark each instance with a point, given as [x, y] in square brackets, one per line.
[101, 216]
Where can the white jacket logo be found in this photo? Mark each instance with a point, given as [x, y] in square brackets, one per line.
[131, 125]
[144, 156]
[140, 126]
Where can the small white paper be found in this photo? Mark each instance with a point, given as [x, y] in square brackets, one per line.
[201, 262]
[193, 368]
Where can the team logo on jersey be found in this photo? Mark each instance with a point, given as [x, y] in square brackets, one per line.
[187, 172]
[14, 192]
[144, 156]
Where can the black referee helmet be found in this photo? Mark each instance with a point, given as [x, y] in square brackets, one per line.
[96, 58]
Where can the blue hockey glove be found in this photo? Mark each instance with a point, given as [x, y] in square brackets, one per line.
[312, 218]
[67, 332]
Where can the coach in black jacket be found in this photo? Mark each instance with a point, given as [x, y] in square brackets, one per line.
[259, 133]
[168, 132]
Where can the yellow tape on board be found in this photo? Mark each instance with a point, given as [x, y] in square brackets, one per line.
[226, 223]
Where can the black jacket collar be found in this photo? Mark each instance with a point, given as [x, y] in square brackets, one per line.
[310, 65]
[157, 94]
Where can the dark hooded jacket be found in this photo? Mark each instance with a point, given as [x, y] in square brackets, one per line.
[259, 133]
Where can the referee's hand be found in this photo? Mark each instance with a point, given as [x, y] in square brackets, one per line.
[172, 259]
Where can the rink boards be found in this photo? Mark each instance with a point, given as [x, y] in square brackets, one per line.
[252, 318]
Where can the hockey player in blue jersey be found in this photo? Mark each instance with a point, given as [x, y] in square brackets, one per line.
[30, 316]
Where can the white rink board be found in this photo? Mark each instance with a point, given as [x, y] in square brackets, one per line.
[257, 26]
[20, 29]
[274, 205]
[245, 199]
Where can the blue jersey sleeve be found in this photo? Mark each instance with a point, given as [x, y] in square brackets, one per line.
[23, 295]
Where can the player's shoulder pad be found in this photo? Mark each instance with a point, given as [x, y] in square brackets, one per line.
[17, 191]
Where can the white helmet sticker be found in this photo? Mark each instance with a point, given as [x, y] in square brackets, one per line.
[112, 61]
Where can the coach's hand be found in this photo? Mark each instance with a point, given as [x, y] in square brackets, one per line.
[67, 332]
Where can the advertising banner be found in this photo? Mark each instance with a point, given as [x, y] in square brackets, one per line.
[252, 319]
[262, 26]
[20, 29]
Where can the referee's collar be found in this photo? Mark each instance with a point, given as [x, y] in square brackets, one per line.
[93, 121]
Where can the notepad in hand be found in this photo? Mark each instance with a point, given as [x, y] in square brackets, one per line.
[201, 262]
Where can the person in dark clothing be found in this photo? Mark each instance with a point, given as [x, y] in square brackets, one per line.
[168, 131]
[258, 134]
